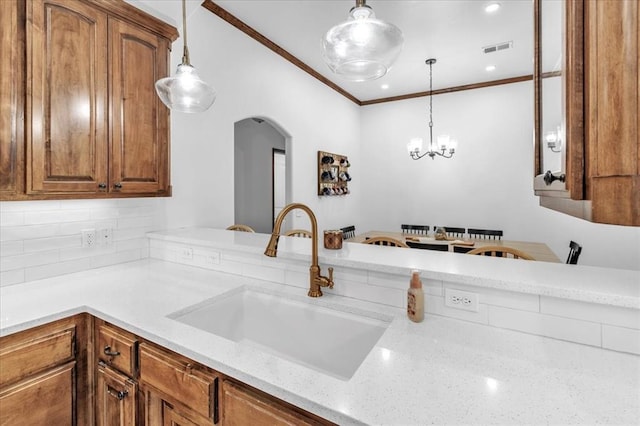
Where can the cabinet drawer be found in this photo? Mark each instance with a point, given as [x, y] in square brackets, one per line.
[35, 352]
[44, 399]
[178, 378]
[117, 349]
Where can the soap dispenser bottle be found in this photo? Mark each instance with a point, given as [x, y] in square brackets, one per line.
[415, 298]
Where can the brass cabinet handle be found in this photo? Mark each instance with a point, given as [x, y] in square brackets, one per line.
[108, 352]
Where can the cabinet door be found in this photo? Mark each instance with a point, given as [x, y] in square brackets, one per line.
[11, 98]
[115, 398]
[46, 399]
[140, 121]
[242, 406]
[66, 110]
[613, 127]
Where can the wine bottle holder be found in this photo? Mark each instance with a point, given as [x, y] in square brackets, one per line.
[333, 174]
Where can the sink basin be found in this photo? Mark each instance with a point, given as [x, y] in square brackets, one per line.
[327, 339]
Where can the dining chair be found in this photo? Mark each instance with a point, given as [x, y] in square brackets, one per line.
[453, 231]
[415, 229]
[461, 249]
[574, 252]
[348, 231]
[501, 251]
[385, 241]
[298, 233]
[239, 227]
[485, 234]
[427, 246]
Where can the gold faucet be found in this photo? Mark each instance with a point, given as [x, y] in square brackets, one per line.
[315, 279]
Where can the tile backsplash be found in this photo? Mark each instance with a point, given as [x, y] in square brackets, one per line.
[41, 239]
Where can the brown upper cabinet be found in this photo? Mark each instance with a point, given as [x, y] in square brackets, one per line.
[93, 125]
[594, 172]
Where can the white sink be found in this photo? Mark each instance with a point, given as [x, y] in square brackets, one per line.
[329, 340]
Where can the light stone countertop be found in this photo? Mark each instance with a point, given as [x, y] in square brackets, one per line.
[440, 371]
[616, 287]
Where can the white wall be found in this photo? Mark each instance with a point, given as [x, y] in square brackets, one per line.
[488, 183]
[253, 82]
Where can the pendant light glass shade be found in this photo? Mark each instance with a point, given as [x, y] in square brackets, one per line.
[362, 48]
[185, 91]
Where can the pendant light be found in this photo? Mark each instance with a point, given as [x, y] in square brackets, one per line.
[363, 47]
[445, 146]
[185, 92]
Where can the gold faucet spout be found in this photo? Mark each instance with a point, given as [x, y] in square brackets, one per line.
[316, 281]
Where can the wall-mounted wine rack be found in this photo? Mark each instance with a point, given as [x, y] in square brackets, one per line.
[333, 174]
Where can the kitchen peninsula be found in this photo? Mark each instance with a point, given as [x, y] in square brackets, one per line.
[442, 371]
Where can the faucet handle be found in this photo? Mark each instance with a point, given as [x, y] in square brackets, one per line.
[330, 277]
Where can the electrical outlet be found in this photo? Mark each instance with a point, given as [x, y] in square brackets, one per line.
[186, 253]
[212, 258]
[461, 299]
[88, 237]
[105, 236]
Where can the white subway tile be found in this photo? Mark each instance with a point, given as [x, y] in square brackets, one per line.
[7, 206]
[134, 222]
[263, 272]
[388, 280]
[86, 204]
[572, 330]
[115, 258]
[14, 233]
[296, 278]
[127, 234]
[11, 277]
[74, 228]
[11, 248]
[376, 294]
[11, 218]
[86, 252]
[135, 243]
[349, 274]
[136, 211]
[605, 314]
[163, 253]
[621, 339]
[435, 305]
[507, 299]
[56, 216]
[104, 213]
[52, 243]
[58, 268]
[28, 260]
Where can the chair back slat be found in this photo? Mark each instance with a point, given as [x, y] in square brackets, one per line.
[453, 231]
[501, 251]
[486, 234]
[385, 241]
[348, 231]
[415, 229]
[303, 233]
[574, 253]
[427, 246]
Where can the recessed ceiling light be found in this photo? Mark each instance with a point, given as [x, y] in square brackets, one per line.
[384, 86]
[492, 7]
[490, 68]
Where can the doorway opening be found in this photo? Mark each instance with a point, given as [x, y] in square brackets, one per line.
[260, 173]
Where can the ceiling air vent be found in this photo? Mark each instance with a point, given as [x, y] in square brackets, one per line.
[498, 47]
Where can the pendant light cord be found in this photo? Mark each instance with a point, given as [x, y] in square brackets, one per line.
[185, 50]
[430, 105]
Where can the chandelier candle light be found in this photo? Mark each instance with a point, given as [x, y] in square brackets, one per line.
[363, 47]
[185, 92]
[446, 146]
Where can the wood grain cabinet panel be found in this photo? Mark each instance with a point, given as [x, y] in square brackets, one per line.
[139, 131]
[11, 97]
[67, 121]
[81, 73]
[116, 398]
[117, 348]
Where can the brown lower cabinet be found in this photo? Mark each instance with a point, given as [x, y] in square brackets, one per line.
[45, 374]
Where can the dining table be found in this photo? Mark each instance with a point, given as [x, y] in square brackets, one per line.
[539, 251]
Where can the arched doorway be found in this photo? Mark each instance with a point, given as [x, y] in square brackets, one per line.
[260, 173]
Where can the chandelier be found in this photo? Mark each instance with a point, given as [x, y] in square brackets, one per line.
[185, 92]
[363, 47]
[445, 146]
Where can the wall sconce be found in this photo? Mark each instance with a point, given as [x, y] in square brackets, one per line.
[553, 140]
[445, 146]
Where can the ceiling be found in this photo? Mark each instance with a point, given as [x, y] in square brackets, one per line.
[452, 31]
